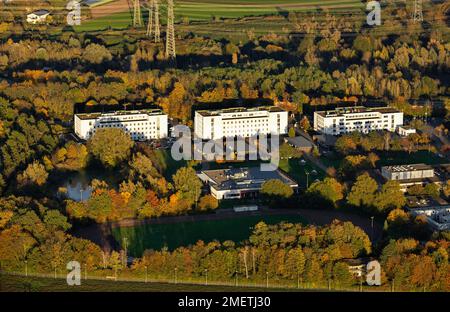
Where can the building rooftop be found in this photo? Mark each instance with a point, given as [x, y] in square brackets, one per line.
[407, 127]
[407, 168]
[40, 12]
[341, 111]
[244, 178]
[150, 112]
[239, 110]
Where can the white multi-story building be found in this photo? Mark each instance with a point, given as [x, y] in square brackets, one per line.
[240, 122]
[141, 125]
[358, 118]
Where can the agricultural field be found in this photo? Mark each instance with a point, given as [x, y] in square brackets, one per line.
[118, 14]
[158, 236]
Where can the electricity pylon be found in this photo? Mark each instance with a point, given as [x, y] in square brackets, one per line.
[170, 33]
[137, 18]
[418, 14]
[150, 21]
[154, 27]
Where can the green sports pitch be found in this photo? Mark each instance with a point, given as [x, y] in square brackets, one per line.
[173, 235]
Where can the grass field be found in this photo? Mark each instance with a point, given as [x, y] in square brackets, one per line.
[11, 283]
[207, 10]
[157, 236]
[298, 171]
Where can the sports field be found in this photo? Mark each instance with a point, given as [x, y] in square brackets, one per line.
[170, 235]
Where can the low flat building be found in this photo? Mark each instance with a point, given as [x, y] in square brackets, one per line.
[141, 125]
[240, 122]
[359, 118]
[404, 131]
[237, 183]
[39, 16]
[408, 175]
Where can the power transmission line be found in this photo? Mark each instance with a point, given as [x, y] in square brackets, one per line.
[170, 33]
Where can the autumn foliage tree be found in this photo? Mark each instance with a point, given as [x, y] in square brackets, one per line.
[111, 146]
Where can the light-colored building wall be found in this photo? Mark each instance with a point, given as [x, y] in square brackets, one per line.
[37, 17]
[361, 119]
[405, 131]
[407, 172]
[141, 125]
[240, 122]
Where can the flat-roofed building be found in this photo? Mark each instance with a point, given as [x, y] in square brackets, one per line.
[408, 175]
[404, 131]
[142, 125]
[358, 118]
[240, 122]
[407, 172]
[237, 183]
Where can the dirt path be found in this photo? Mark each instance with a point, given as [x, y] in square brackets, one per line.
[101, 234]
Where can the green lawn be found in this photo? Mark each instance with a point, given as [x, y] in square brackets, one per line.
[157, 236]
[120, 20]
[298, 171]
[170, 165]
[11, 283]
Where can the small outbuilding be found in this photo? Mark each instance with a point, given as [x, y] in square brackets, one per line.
[405, 130]
[39, 16]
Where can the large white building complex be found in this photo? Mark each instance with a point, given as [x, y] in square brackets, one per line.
[240, 122]
[358, 118]
[141, 125]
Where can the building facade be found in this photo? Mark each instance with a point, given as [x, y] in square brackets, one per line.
[140, 125]
[409, 175]
[407, 172]
[404, 131]
[240, 122]
[359, 118]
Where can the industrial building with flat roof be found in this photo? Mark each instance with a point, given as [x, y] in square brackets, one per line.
[140, 124]
[412, 174]
[359, 118]
[240, 122]
[237, 183]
